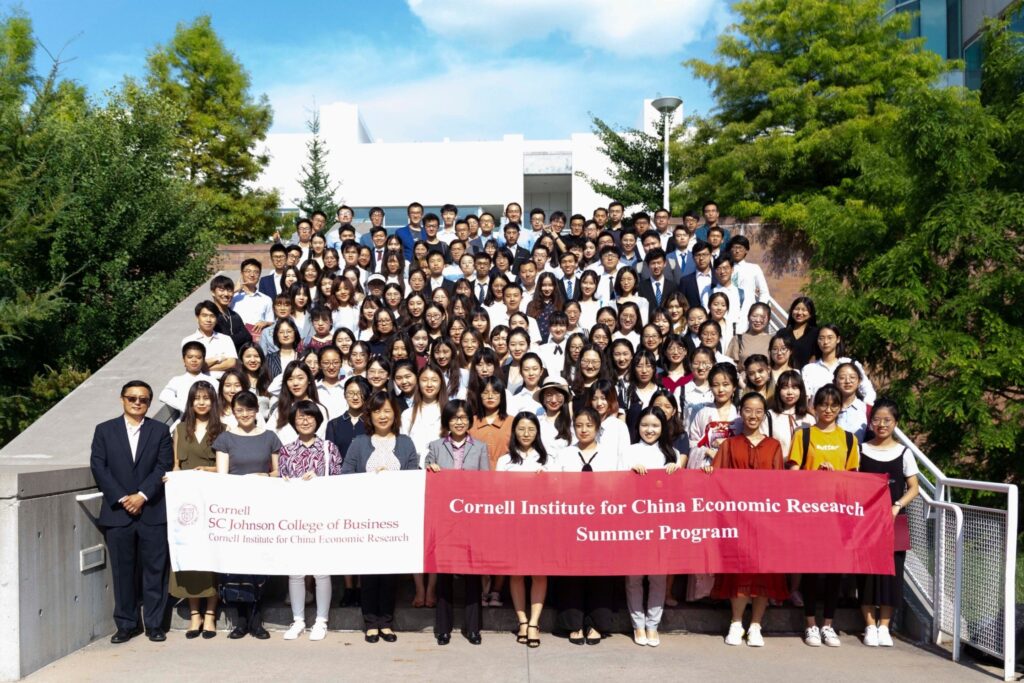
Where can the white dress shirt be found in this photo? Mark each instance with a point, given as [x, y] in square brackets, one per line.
[218, 347]
[175, 394]
[253, 307]
[133, 437]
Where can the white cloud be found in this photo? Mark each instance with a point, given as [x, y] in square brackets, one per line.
[623, 27]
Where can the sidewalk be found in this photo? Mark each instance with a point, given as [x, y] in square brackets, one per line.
[416, 657]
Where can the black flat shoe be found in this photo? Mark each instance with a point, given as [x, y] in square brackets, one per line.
[156, 635]
[207, 635]
[473, 637]
[443, 638]
[212, 632]
[123, 635]
[578, 641]
[259, 633]
[193, 633]
[389, 637]
[591, 640]
[372, 637]
[237, 632]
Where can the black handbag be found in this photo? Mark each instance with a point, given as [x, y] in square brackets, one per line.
[241, 588]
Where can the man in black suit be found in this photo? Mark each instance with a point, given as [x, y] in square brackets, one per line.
[693, 285]
[271, 282]
[378, 240]
[130, 456]
[519, 255]
[656, 287]
[569, 281]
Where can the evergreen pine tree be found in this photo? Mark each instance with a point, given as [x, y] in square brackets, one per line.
[318, 191]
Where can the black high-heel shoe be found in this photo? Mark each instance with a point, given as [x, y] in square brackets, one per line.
[194, 632]
[211, 633]
[532, 643]
[520, 636]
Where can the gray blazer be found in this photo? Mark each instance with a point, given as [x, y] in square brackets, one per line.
[361, 449]
[475, 458]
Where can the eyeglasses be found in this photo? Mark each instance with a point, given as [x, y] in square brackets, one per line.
[144, 400]
[305, 418]
[883, 422]
[460, 418]
[702, 366]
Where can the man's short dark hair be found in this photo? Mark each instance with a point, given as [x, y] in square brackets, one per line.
[512, 226]
[610, 249]
[414, 205]
[379, 228]
[224, 282]
[298, 223]
[293, 247]
[431, 218]
[377, 209]
[616, 203]
[656, 253]
[691, 214]
[558, 216]
[537, 211]
[699, 246]
[193, 346]
[207, 306]
[277, 247]
[318, 212]
[716, 228]
[707, 203]
[137, 383]
[251, 262]
[449, 207]
[740, 240]
[345, 207]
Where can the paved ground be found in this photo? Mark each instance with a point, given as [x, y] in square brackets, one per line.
[416, 657]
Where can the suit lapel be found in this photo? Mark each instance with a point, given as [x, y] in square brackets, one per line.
[143, 438]
[451, 455]
[122, 439]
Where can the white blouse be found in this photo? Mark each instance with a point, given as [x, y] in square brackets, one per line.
[529, 463]
[646, 454]
[426, 429]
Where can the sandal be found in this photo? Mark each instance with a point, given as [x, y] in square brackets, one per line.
[532, 643]
[212, 631]
[193, 632]
[594, 637]
[577, 640]
[520, 636]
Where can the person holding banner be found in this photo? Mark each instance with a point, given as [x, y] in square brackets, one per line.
[306, 458]
[193, 450]
[381, 449]
[884, 455]
[457, 450]
[526, 454]
[825, 446]
[751, 450]
[247, 449]
[586, 610]
[653, 452]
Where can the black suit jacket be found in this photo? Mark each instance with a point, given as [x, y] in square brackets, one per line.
[575, 289]
[689, 288]
[267, 285]
[519, 255]
[646, 290]
[118, 476]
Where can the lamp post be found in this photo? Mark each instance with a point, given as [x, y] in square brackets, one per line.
[666, 106]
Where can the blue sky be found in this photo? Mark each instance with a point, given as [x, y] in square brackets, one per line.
[418, 69]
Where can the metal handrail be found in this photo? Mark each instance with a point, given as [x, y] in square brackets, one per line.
[938, 588]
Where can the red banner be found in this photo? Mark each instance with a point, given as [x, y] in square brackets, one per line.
[620, 523]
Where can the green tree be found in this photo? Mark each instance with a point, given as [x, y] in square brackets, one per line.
[222, 124]
[636, 171]
[804, 91]
[318, 190]
[99, 233]
[907, 197]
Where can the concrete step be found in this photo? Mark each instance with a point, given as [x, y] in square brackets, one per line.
[687, 618]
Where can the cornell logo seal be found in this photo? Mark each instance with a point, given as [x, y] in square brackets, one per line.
[187, 514]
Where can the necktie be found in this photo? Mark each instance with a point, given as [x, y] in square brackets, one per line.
[657, 292]
[568, 288]
[586, 463]
[558, 350]
[483, 292]
[380, 260]
[611, 287]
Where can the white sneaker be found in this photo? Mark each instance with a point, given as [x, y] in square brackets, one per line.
[735, 635]
[884, 637]
[754, 638]
[295, 630]
[653, 639]
[829, 636]
[639, 636]
[871, 636]
[319, 630]
[812, 636]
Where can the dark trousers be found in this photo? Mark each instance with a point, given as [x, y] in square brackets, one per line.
[586, 601]
[377, 599]
[250, 615]
[138, 555]
[443, 617]
[824, 587]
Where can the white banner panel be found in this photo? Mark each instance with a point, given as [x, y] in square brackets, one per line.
[351, 524]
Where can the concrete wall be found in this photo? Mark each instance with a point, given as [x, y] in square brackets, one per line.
[48, 606]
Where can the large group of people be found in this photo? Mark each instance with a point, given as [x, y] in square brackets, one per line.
[551, 344]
